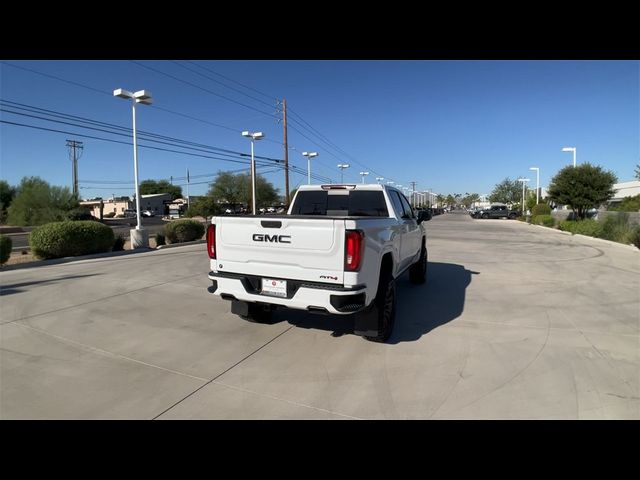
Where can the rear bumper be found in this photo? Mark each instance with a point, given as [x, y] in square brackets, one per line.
[301, 295]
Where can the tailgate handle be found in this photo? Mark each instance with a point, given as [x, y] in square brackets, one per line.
[271, 224]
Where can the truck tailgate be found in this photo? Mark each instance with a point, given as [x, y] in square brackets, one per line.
[310, 249]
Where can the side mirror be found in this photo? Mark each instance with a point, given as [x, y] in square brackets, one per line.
[423, 216]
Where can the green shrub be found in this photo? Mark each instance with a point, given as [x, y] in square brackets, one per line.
[68, 238]
[546, 220]
[584, 227]
[160, 240]
[628, 204]
[616, 227]
[634, 236]
[118, 244]
[79, 214]
[109, 215]
[183, 231]
[5, 248]
[541, 209]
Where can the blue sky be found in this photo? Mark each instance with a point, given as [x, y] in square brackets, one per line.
[451, 126]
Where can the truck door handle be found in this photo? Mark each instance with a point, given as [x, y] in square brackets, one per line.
[271, 224]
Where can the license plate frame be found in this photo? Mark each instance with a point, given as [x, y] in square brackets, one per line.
[273, 287]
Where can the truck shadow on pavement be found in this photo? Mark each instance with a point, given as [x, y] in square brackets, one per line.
[420, 308]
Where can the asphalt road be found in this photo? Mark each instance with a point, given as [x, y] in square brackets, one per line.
[515, 321]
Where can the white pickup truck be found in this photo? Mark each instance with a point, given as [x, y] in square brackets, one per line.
[339, 250]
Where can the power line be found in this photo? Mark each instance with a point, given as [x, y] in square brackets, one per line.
[122, 142]
[77, 84]
[219, 82]
[110, 94]
[262, 164]
[201, 88]
[142, 133]
[234, 81]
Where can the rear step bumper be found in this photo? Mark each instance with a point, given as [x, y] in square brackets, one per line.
[315, 297]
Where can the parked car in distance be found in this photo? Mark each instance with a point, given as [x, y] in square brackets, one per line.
[496, 210]
[129, 213]
[147, 213]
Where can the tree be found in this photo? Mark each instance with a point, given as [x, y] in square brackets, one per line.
[36, 202]
[507, 191]
[530, 199]
[149, 187]
[637, 171]
[7, 192]
[582, 187]
[450, 200]
[236, 188]
[292, 193]
[469, 198]
[204, 206]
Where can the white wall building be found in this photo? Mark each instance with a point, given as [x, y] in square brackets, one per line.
[625, 189]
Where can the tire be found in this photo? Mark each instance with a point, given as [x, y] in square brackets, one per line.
[258, 314]
[512, 216]
[384, 307]
[485, 215]
[418, 271]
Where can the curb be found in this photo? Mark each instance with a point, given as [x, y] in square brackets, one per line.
[552, 229]
[610, 242]
[587, 237]
[56, 261]
[182, 244]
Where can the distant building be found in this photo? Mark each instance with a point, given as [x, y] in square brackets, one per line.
[115, 206]
[155, 202]
[624, 190]
[177, 207]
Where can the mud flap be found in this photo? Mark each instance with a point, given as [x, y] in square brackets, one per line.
[239, 308]
[366, 322]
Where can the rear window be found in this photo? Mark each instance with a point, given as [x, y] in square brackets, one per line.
[356, 203]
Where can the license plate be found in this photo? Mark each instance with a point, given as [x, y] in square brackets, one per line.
[276, 288]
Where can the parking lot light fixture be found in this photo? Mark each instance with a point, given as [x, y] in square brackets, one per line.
[253, 136]
[571, 149]
[524, 182]
[309, 156]
[537, 169]
[363, 174]
[342, 166]
[139, 238]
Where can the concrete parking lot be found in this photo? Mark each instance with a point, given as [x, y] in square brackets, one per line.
[514, 322]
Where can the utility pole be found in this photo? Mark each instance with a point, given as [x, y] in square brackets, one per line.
[413, 194]
[286, 152]
[75, 152]
[188, 204]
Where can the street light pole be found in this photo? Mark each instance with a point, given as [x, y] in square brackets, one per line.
[309, 156]
[139, 237]
[537, 169]
[571, 149]
[342, 166]
[253, 136]
[524, 181]
[363, 175]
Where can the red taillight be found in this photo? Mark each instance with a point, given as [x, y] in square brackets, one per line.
[353, 250]
[211, 241]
